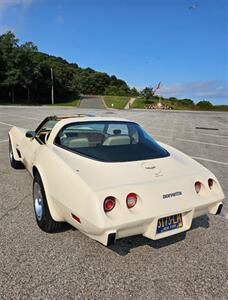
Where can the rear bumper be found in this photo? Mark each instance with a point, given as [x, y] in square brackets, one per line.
[148, 227]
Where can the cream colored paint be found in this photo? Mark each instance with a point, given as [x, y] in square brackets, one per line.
[78, 185]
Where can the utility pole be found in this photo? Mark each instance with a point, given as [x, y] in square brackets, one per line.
[52, 87]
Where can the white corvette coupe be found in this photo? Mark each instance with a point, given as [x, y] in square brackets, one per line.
[108, 178]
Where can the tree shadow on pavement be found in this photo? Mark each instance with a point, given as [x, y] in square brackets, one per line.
[125, 245]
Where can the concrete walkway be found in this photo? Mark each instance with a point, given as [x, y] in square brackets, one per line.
[129, 104]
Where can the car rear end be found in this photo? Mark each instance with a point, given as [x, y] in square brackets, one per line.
[157, 209]
[127, 183]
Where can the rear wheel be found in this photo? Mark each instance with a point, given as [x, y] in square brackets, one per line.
[41, 209]
[16, 164]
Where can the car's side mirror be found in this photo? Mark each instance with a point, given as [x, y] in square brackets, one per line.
[30, 134]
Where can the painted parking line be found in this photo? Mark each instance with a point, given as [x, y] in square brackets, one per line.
[7, 124]
[19, 116]
[215, 135]
[203, 143]
[3, 141]
[163, 128]
[163, 136]
[191, 141]
[210, 160]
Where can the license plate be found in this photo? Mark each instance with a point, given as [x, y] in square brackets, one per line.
[169, 223]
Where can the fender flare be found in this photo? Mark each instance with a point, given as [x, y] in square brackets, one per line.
[54, 211]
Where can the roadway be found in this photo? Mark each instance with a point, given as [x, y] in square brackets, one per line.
[91, 102]
[69, 265]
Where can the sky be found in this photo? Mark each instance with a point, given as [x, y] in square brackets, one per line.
[182, 43]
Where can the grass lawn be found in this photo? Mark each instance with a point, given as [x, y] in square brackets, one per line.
[118, 102]
[141, 102]
[68, 103]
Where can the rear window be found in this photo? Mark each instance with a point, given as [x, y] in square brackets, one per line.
[109, 141]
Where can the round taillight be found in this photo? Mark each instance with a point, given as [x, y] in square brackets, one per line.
[198, 186]
[109, 203]
[210, 183]
[131, 200]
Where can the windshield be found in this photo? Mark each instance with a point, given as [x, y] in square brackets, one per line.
[109, 141]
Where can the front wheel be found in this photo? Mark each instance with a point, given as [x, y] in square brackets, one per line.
[16, 164]
[41, 209]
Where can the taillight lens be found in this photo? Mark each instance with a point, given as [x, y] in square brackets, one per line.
[131, 200]
[109, 203]
[210, 183]
[76, 218]
[198, 186]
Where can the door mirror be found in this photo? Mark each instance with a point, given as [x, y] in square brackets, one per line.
[30, 134]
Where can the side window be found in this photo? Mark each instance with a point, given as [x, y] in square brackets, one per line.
[134, 136]
[48, 125]
[44, 131]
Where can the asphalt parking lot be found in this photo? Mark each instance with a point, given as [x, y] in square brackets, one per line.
[69, 265]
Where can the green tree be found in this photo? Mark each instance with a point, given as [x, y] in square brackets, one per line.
[147, 93]
[26, 70]
[204, 104]
[134, 92]
[9, 58]
[186, 102]
[111, 90]
[29, 67]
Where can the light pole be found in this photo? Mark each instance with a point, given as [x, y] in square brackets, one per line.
[52, 87]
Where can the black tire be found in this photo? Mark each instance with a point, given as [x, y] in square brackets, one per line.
[15, 164]
[43, 218]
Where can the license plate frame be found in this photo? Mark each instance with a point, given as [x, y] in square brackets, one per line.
[168, 223]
